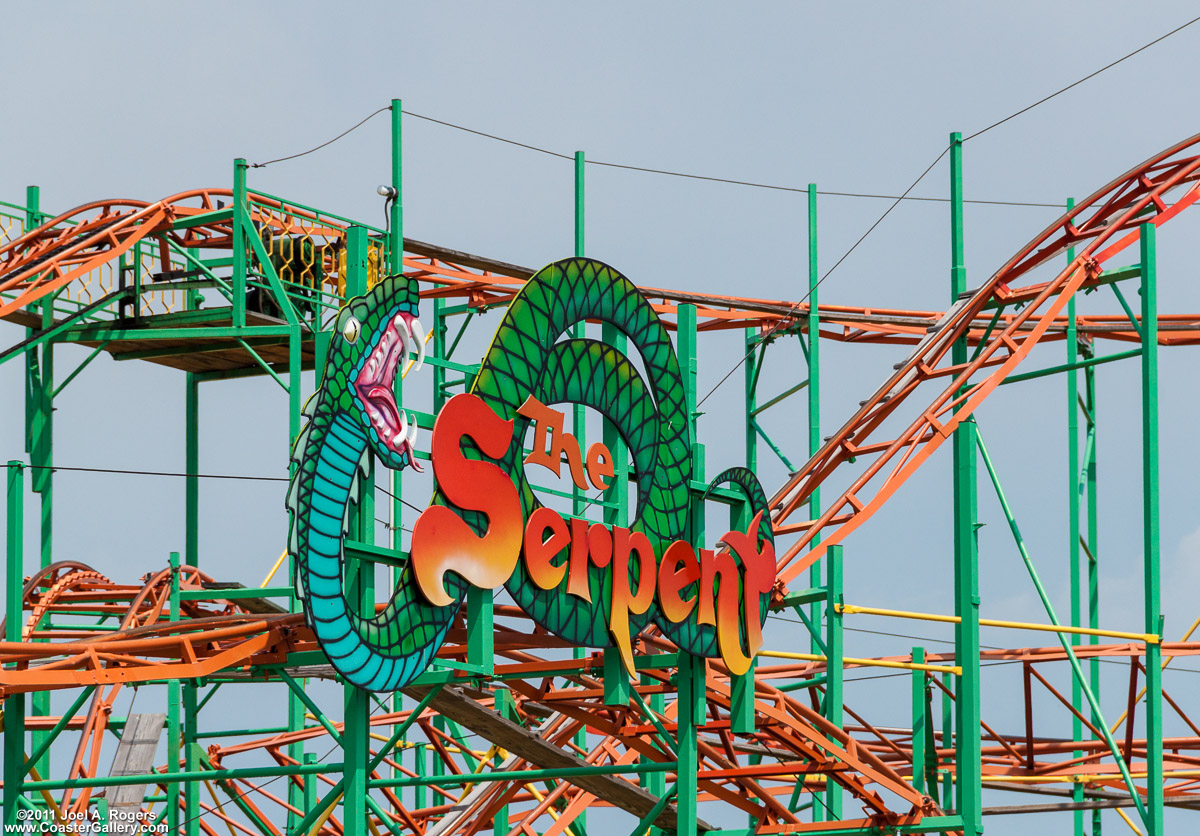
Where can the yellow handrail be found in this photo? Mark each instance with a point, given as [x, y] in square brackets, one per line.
[869, 663]
[849, 609]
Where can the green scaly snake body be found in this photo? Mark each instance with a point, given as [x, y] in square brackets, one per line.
[527, 357]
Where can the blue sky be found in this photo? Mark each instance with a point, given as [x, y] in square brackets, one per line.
[144, 100]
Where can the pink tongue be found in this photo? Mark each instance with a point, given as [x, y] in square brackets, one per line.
[383, 398]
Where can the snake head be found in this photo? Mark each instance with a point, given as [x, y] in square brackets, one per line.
[371, 339]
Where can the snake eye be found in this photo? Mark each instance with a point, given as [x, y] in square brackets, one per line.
[351, 330]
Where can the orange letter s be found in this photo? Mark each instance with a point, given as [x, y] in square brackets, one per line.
[441, 540]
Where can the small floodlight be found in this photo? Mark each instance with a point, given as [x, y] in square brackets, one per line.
[386, 191]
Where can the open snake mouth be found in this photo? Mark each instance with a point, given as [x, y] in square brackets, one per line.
[376, 378]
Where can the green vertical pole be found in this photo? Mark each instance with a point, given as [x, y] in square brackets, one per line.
[506, 709]
[295, 750]
[1094, 558]
[191, 555]
[14, 705]
[439, 350]
[1150, 523]
[421, 771]
[814, 398]
[920, 722]
[191, 789]
[191, 515]
[833, 666]
[580, 164]
[396, 221]
[691, 678]
[578, 413]
[396, 267]
[966, 552]
[192, 468]
[40, 438]
[947, 742]
[687, 335]
[355, 735]
[311, 782]
[239, 243]
[174, 743]
[1093, 542]
[1073, 523]
[579, 331]
[751, 396]
[691, 674]
[655, 782]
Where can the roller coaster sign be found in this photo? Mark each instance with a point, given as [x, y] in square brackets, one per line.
[592, 584]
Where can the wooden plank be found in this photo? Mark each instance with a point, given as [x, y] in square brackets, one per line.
[451, 702]
[134, 756]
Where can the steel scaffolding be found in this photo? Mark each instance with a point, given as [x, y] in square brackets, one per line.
[231, 283]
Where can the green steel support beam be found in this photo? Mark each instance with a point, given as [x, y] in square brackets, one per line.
[239, 243]
[506, 708]
[87, 361]
[174, 737]
[39, 432]
[947, 787]
[440, 329]
[359, 593]
[691, 671]
[580, 165]
[780, 397]
[969, 802]
[309, 794]
[14, 706]
[1093, 545]
[295, 385]
[644, 822]
[786, 462]
[297, 688]
[526, 776]
[1073, 522]
[1133, 320]
[177, 777]
[395, 268]
[191, 550]
[691, 695]
[834, 670]
[480, 629]
[191, 789]
[920, 722]
[1150, 532]
[579, 415]
[664, 737]
[655, 782]
[1069, 367]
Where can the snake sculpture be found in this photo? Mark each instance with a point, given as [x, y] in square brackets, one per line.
[355, 412]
